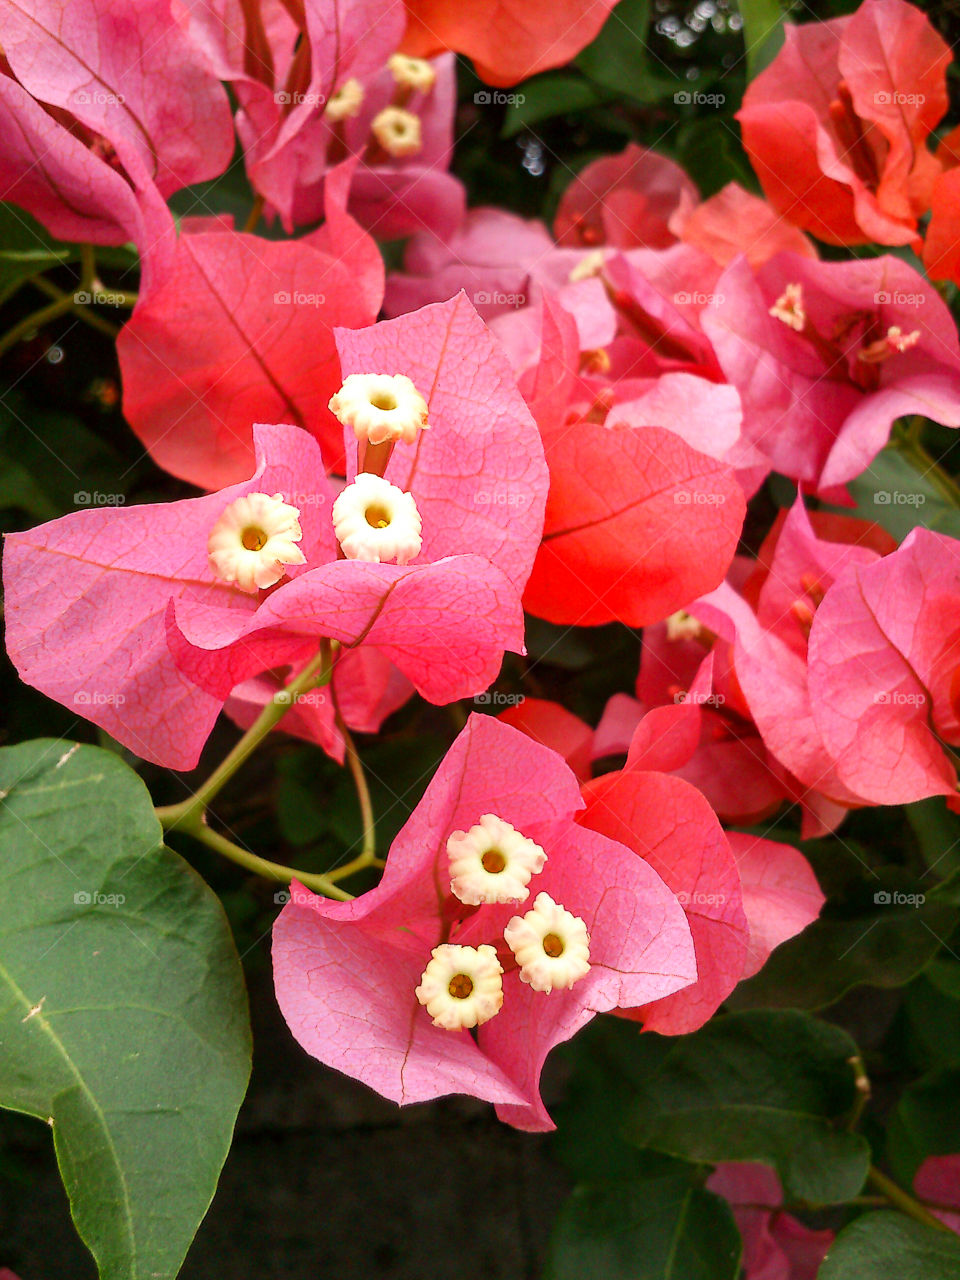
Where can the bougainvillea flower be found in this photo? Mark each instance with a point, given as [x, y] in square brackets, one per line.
[635, 517]
[941, 247]
[116, 122]
[254, 345]
[768, 628]
[154, 663]
[776, 1245]
[626, 200]
[347, 973]
[669, 825]
[310, 89]
[884, 665]
[836, 127]
[826, 355]
[683, 726]
[937, 1183]
[781, 895]
[508, 40]
[735, 221]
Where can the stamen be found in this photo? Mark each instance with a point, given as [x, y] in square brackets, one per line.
[397, 131]
[789, 308]
[346, 102]
[412, 73]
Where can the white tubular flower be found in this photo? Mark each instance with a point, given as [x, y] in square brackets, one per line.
[374, 520]
[591, 264]
[551, 945]
[790, 309]
[492, 862]
[462, 986]
[398, 131]
[346, 102]
[412, 73]
[380, 407]
[682, 626]
[252, 541]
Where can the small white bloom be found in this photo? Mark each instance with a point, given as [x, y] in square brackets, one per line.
[374, 520]
[492, 862]
[790, 309]
[252, 541]
[462, 986]
[346, 102]
[412, 73]
[398, 131]
[380, 406]
[551, 945]
[682, 626]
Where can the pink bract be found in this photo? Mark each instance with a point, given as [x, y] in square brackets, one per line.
[157, 644]
[776, 1245]
[346, 972]
[885, 671]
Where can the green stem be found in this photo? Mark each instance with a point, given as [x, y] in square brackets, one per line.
[906, 1203]
[261, 866]
[254, 215]
[35, 320]
[862, 1085]
[186, 814]
[367, 855]
[83, 311]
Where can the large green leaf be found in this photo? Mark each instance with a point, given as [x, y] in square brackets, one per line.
[619, 58]
[894, 493]
[769, 1086]
[926, 1122]
[891, 1246]
[123, 1016]
[662, 1226]
[27, 249]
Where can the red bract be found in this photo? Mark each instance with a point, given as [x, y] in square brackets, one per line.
[508, 40]
[552, 725]
[157, 642]
[776, 1245]
[826, 355]
[885, 672]
[346, 973]
[635, 516]
[734, 221]
[127, 105]
[254, 344]
[836, 127]
[669, 825]
[625, 201]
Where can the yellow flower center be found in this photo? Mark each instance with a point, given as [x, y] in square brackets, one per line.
[461, 986]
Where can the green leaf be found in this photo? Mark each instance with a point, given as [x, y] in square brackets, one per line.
[894, 493]
[554, 94]
[762, 33]
[661, 1227]
[765, 1086]
[891, 1246]
[123, 1015]
[619, 59]
[925, 1123]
